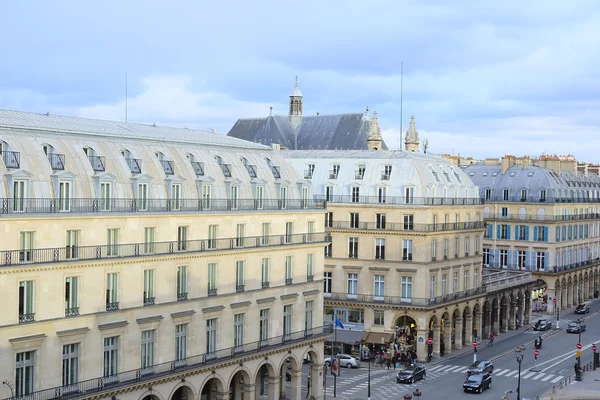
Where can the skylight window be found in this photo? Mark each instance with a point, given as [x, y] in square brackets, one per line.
[485, 174]
[495, 174]
[472, 174]
[513, 173]
[530, 174]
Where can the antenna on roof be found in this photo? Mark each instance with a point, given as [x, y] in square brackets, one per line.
[125, 97]
[401, 76]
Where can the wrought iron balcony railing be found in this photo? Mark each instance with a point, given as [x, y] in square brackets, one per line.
[309, 278]
[182, 296]
[212, 292]
[547, 199]
[114, 306]
[79, 205]
[149, 301]
[265, 284]
[226, 168]
[402, 200]
[239, 288]
[168, 167]
[545, 267]
[71, 312]
[12, 159]
[289, 281]
[124, 379]
[134, 164]
[29, 317]
[198, 168]
[543, 218]
[57, 161]
[400, 226]
[251, 170]
[97, 163]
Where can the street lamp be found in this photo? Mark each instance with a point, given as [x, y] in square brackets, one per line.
[7, 383]
[520, 352]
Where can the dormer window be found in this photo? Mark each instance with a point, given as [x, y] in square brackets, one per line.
[333, 174]
[360, 171]
[435, 175]
[542, 195]
[134, 164]
[457, 176]
[57, 161]
[226, 168]
[488, 193]
[197, 166]
[447, 177]
[166, 164]
[523, 194]
[11, 159]
[96, 161]
[485, 174]
[274, 169]
[250, 168]
[495, 174]
[387, 172]
[310, 169]
[505, 194]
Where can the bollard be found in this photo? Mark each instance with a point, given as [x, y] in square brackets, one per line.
[553, 389]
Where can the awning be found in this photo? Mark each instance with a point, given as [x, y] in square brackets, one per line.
[346, 336]
[376, 337]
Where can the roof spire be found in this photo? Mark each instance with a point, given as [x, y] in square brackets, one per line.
[374, 139]
[296, 80]
[411, 141]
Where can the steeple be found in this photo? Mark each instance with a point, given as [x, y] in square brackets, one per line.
[411, 142]
[374, 140]
[296, 101]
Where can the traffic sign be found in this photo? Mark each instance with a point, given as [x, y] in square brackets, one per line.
[578, 346]
[536, 353]
[474, 344]
[429, 341]
[578, 354]
[554, 300]
[594, 348]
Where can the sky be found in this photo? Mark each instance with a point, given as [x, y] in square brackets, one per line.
[482, 78]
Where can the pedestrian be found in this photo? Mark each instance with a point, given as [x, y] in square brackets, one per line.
[387, 360]
[308, 386]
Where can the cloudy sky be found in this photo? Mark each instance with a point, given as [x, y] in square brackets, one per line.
[483, 78]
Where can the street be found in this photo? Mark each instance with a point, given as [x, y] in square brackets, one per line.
[555, 363]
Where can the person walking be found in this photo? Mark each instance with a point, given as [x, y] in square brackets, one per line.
[308, 386]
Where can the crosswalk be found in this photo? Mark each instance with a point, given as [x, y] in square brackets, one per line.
[504, 373]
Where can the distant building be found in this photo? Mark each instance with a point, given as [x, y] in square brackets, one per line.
[295, 131]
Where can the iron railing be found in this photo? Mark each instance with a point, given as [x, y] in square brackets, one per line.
[168, 167]
[71, 312]
[547, 199]
[97, 163]
[29, 317]
[251, 170]
[542, 268]
[198, 167]
[59, 254]
[182, 296]
[57, 161]
[239, 288]
[406, 301]
[385, 177]
[332, 175]
[289, 281]
[114, 306]
[226, 168]
[212, 292]
[12, 159]
[126, 378]
[85, 205]
[265, 285]
[309, 278]
[543, 218]
[275, 171]
[400, 226]
[134, 164]
[149, 301]
[402, 200]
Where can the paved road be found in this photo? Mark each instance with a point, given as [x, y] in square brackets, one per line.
[444, 380]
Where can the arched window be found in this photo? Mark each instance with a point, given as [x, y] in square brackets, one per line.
[57, 161]
[196, 165]
[135, 165]
[11, 159]
[97, 162]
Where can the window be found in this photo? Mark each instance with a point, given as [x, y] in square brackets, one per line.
[542, 195]
[353, 247]
[289, 232]
[352, 284]
[455, 282]
[266, 232]
[71, 296]
[70, 364]
[387, 171]
[476, 278]
[408, 222]
[328, 250]
[239, 276]
[329, 193]
[380, 221]
[24, 373]
[504, 231]
[354, 220]
[259, 197]
[206, 197]
[327, 281]
[504, 212]
[505, 194]
[406, 286]
[265, 273]
[287, 321]
[212, 279]
[360, 173]
[540, 260]
[379, 317]
[432, 287]
[19, 196]
[503, 258]
[486, 256]
[488, 193]
[355, 194]
[335, 171]
[212, 236]
[407, 250]
[142, 196]
[182, 283]
[148, 287]
[233, 197]
[64, 196]
[523, 194]
[465, 280]
[310, 171]
[26, 243]
[467, 245]
[409, 195]
[379, 289]
[522, 232]
[380, 249]
[111, 356]
[112, 242]
[310, 231]
[433, 249]
[381, 195]
[182, 238]
[181, 342]
[264, 325]
[176, 196]
[521, 259]
[147, 349]
[238, 332]
[304, 197]
[105, 196]
[148, 240]
[329, 219]
[283, 197]
[72, 244]
[542, 233]
[112, 291]
[444, 284]
[456, 239]
[308, 317]
[288, 270]
[445, 249]
[211, 336]
[309, 267]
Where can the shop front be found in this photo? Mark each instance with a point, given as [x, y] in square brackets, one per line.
[344, 340]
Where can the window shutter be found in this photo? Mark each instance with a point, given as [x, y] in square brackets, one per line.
[557, 234]
[508, 232]
[527, 232]
[498, 233]
[546, 235]
[516, 232]
[535, 233]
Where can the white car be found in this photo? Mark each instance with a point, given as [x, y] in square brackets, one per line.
[346, 360]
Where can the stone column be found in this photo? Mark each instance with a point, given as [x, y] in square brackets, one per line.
[488, 324]
[563, 297]
[527, 315]
[478, 323]
[520, 310]
[569, 295]
[448, 338]
[458, 335]
[590, 293]
[496, 323]
[422, 345]
[316, 381]
[436, 340]
[551, 295]
[296, 385]
[274, 387]
[249, 391]
[224, 395]
[468, 329]
[512, 314]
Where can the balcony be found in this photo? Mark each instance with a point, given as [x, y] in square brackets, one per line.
[97, 163]
[333, 175]
[400, 226]
[550, 269]
[102, 386]
[57, 161]
[212, 292]
[83, 205]
[402, 200]
[24, 318]
[182, 296]
[548, 199]
[134, 164]
[12, 159]
[385, 177]
[112, 306]
[289, 281]
[239, 288]
[495, 281]
[251, 170]
[72, 312]
[309, 278]
[547, 218]
[226, 168]
[275, 171]
[148, 301]
[265, 285]
[308, 174]
[198, 168]
[167, 167]
[404, 301]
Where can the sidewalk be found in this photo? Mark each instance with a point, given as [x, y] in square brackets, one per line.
[587, 389]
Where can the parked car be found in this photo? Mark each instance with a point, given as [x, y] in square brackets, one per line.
[480, 367]
[576, 327]
[542, 325]
[411, 374]
[582, 308]
[346, 360]
[478, 383]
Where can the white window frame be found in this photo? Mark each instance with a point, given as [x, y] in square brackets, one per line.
[406, 289]
[147, 350]
[379, 287]
[111, 357]
[65, 196]
[70, 364]
[176, 197]
[352, 285]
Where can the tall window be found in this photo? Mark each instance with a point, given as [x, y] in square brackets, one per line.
[148, 287]
[311, 231]
[406, 287]
[540, 260]
[456, 241]
[265, 273]
[379, 289]
[148, 240]
[211, 336]
[465, 280]
[105, 196]
[71, 296]
[352, 284]
[433, 249]
[380, 221]
[206, 197]
[260, 194]
[355, 194]
[72, 244]
[521, 259]
[327, 281]
[409, 222]
[353, 247]
[455, 282]
[182, 238]
[407, 250]
[467, 245]
[112, 291]
[289, 232]
[409, 195]
[379, 317]
[288, 270]
[329, 219]
[212, 236]
[264, 325]
[19, 196]
[444, 284]
[432, 287]
[287, 321]
[181, 342]
[234, 197]
[238, 332]
[147, 349]
[380, 249]
[24, 373]
[112, 242]
[308, 317]
[329, 193]
[64, 196]
[381, 194]
[486, 256]
[70, 364]
[26, 246]
[476, 244]
[182, 293]
[176, 196]
[309, 267]
[503, 258]
[266, 232]
[445, 249]
[354, 220]
[142, 197]
[111, 356]
[476, 278]
[239, 276]
[212, 279]
[283, 197]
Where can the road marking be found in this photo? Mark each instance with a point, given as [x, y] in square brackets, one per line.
[449, 368]
[512, 373]
[547, 378]
[538, 376]
[500, 372]
[529, 375]
[557, 379]
[436, 367]
[462, 369]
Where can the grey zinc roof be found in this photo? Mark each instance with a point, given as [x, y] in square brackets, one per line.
[325, 132]
[366, 154]
[66, 124]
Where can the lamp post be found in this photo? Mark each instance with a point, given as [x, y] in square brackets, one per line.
[7, 383]
[369, 380]
[520, 352]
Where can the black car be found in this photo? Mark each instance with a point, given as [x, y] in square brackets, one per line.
[411, 374]
[582, 308]
[478, 383]
[576, 327]
[542, 325]
[480, 367]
